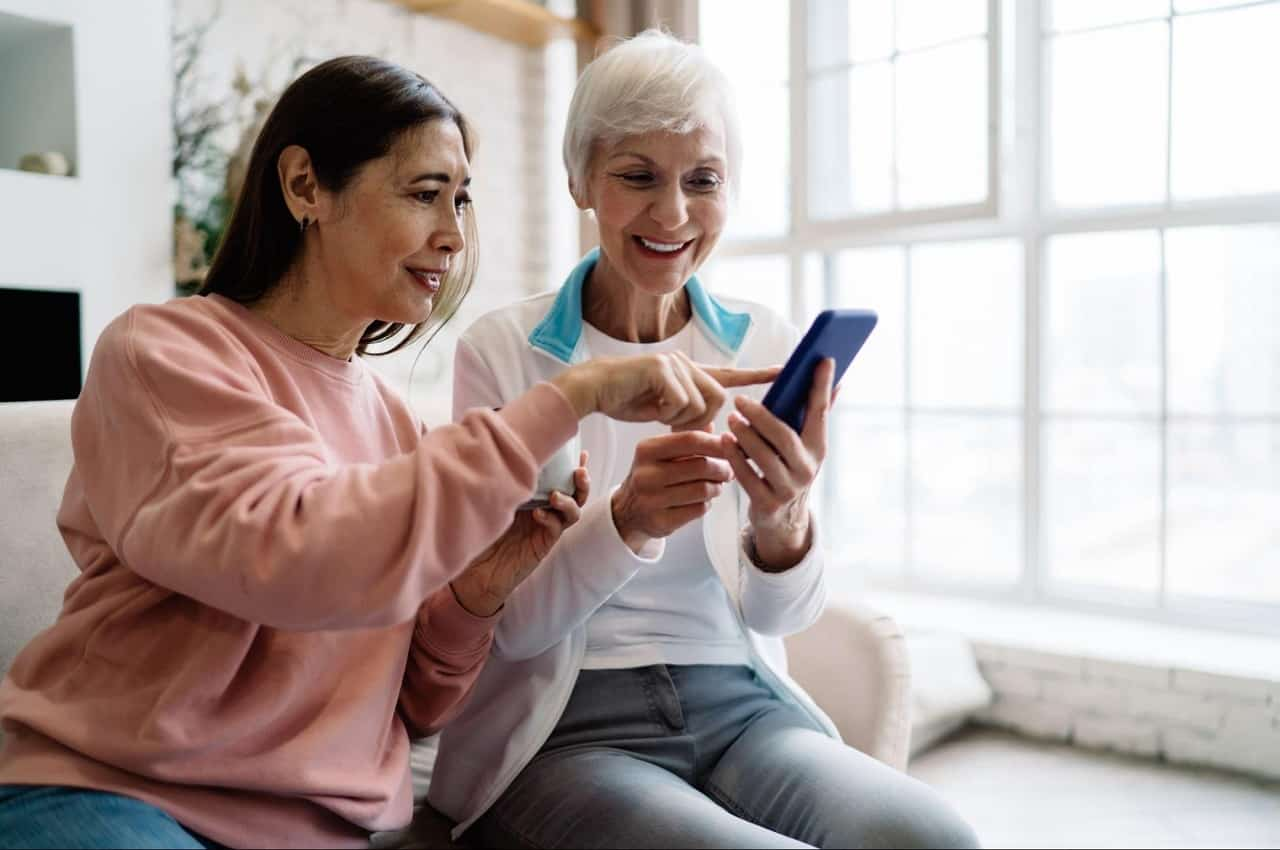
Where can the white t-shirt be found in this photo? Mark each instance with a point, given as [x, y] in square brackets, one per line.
[675, 611]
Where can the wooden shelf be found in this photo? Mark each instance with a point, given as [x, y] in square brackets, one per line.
[520, 21]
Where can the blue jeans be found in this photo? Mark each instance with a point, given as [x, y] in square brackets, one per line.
[52, 816]
[706, 756]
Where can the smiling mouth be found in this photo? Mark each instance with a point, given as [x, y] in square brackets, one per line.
[661, 250]
[429, 278]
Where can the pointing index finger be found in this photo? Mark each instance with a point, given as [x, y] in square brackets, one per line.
[729, 377]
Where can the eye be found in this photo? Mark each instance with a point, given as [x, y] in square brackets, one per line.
[461, 202]
[705, 181]
[427, 196]
[636, 178]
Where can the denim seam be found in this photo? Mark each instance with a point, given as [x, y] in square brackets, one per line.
[657, 716]
[519, 836]
[722, 797]
[495, 811]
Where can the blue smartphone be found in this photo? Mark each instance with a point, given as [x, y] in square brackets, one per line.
[838, 334]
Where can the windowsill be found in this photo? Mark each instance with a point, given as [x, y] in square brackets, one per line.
[1070, 633]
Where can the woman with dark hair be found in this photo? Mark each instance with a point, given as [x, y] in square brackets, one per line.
[283, 577]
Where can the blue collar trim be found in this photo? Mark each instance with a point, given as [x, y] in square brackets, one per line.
[560, 331]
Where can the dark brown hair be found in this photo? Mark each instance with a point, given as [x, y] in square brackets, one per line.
[344, 112]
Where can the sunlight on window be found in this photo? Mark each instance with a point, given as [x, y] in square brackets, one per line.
[1150, 455]
[867, 516]
[1224, 320]
[966, 325]
[753, 51]
[1107, 116]
[1063, 15]
[1224, 497]
[922, 23]
[763, 279]
[875, 279]
[897, 131]
[1101, 504]
[747, 47]
[844, 33]
[851, 142]
[966, 498]
[763, 204]
[1226, 125]
[942, 126]
[1202, 5]
[1101, 323]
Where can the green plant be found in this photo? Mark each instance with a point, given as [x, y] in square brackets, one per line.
[212, 138]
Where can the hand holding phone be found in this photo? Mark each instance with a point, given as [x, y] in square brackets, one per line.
[838, 334]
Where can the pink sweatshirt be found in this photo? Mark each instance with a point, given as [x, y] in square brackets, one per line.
[262, 619]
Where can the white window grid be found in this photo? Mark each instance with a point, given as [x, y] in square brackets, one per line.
[1019, 208]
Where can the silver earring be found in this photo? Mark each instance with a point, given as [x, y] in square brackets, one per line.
[304, 224]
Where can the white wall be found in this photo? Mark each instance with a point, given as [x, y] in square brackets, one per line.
[1180, 715]
[498, 85]
[107, 231]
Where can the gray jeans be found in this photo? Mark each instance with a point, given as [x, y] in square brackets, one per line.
[706, 756]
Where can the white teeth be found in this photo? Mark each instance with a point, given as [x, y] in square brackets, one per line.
[431, 279]
[662, 247]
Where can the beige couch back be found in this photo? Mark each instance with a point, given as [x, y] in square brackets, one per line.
[35, 566]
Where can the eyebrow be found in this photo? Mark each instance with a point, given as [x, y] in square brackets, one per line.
[704, 162]
[439, 177]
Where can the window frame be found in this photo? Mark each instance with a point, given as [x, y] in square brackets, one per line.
[1019, 208]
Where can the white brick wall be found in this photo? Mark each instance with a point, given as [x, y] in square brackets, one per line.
[1181, 716]
[498, 85]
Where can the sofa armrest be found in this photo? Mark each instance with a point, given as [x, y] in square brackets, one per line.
[854, 664]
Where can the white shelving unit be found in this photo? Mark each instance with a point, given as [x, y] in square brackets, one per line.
[37, 89]
[90, 79]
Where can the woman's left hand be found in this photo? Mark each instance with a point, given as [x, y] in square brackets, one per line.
[489, 580]
[788, 464]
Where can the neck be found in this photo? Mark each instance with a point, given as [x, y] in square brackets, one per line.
[623, 311]
[301, 307]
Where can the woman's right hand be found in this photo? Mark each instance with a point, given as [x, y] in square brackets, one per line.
[667, 388]
[672, 481]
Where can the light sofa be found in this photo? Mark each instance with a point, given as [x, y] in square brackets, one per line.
[853, 661]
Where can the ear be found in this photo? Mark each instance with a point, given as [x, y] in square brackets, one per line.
[298, 183]
[579, 196]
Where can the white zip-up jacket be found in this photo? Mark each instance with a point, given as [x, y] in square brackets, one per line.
[540, 639]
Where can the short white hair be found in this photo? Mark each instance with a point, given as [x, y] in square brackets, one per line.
[651, 82]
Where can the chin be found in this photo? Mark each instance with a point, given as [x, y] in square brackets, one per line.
[418, 309]
[667, 283]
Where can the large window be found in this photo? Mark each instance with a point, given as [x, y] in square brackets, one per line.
[1067, 214]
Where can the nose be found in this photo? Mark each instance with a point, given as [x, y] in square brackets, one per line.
[670, 208]
[448, 238]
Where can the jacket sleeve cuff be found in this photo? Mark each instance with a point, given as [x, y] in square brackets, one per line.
[601, 560]
[797, 576]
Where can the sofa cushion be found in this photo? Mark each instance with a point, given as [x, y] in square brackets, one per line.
[35, 566]
[946, 686]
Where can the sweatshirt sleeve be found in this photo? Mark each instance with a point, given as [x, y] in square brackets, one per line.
[446, 655]
[201, 483]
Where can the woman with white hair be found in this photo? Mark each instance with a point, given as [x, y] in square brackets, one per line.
[636, 694]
